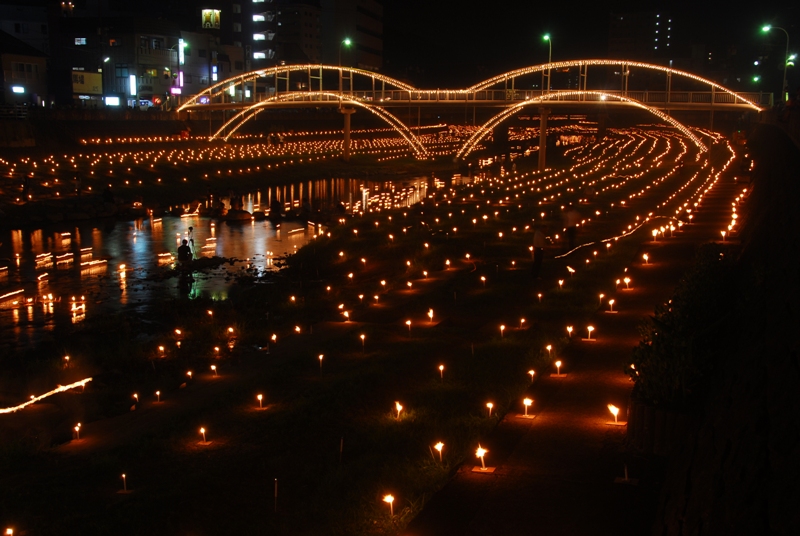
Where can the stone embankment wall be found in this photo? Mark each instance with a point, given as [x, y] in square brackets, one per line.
[737, 470]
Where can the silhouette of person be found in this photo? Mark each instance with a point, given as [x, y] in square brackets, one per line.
[184, 251]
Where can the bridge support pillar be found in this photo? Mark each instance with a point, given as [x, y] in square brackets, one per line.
[602, 125]
[500, 136]
[346, 145]
[543, 113]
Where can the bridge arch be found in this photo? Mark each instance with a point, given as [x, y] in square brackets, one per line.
[313, 72]
[624, 64]
[487, 127]
[332, 99]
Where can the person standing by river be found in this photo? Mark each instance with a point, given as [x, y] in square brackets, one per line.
[190, 235]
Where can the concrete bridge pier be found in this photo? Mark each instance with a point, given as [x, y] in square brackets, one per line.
[602, 126]
[346, 146]
[500, 136]
[543, 114]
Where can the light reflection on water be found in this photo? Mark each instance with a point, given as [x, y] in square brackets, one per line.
[136, 245]
[85, 259]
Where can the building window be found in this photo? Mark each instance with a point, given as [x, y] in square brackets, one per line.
[237, 44]
[150, 73]
[143, 41]
[237, 27]
[158, 43]
[80, 40]
[121, 70]
[236, 8]
[113, 43]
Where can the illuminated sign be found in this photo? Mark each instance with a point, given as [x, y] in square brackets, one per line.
[87, 83]
[175, 90]
[17, 89]
[132, 84]
[203, 100]
[112, 101]
[210, 18]
[181, 53]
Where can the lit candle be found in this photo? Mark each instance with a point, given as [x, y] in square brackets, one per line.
[614, 411]
[389, 499]
[480, 453]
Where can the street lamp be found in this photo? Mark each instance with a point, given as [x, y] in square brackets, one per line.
[766, 29]
[546, 37]
[345, 42]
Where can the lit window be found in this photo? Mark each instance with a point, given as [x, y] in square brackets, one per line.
[80, 40]
[259, 37]
[259, 18]
[236, 8]
[259, 56]
[237, 27]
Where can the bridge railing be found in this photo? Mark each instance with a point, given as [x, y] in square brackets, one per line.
[504, 97]
[501, 96]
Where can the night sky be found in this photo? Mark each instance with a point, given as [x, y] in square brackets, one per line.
[439, 43]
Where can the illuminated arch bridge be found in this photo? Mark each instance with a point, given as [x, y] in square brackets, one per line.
[348, 88]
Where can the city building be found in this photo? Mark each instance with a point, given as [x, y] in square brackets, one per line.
[645, 36]
[24, 72]
[299, 32]
[361, 21]
[27, 21]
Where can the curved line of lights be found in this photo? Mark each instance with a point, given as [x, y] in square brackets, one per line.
[220, 87]
[59, 389]
[283, 69]
[649, 219]
[624, 63]
[395, 123]
[484, 130]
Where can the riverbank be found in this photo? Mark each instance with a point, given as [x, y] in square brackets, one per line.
[442, 317]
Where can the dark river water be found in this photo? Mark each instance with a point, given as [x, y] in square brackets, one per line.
[62, 273]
